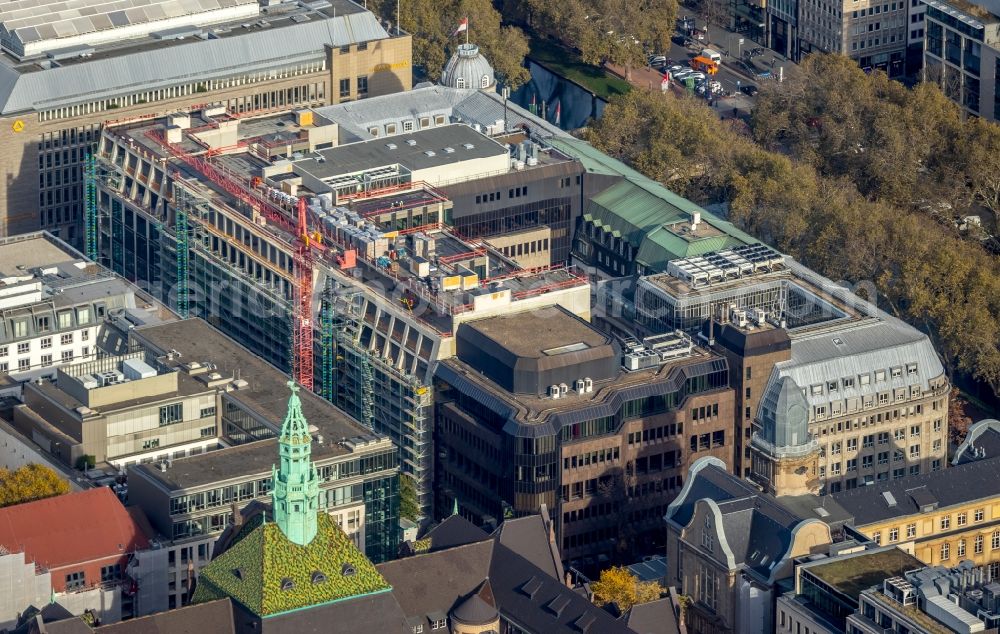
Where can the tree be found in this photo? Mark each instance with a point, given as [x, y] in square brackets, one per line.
[617, 585]
[621, 32]
[431, 23]
[408, 505]
[28, 483]
[958, 422]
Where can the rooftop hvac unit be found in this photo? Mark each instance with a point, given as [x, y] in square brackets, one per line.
[739, 317]
[758, 316]
[588, 384]
[581, 386]
[135, 369]
[554, 391]
[563, 388]
[90, 381]
[110, 378]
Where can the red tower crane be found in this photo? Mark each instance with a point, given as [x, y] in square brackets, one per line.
[302, 328]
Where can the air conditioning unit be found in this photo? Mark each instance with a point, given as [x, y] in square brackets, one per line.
[739, 317]
[554, 391]
[110, 377]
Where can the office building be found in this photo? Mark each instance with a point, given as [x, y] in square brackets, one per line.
[835, 393]
[72, 550]
[729, 545]
[67, 69]
[188, 498]
[827, 587]
[875, 34]
[942, 518]
[541, 408]
[393, 278]
[632, 224]
[56, 308]
[961, 50]
[931, 600]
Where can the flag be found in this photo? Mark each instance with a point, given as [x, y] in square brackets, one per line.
[462, 26]
[558, 111]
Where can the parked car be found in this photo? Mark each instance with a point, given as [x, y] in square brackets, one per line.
[749, 89]
[697, 75]
[657, 61]
[676, 68]
[715, 87]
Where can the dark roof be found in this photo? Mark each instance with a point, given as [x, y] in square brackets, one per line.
[453, 530]
[74, 625]
[758, 530]
[536, 600]
[539, 334]
[749, 342]
[655, 617]
[981, 443]
[377, 613]
[475, 611]
[215, 617]
[529, 537]
[956, 485]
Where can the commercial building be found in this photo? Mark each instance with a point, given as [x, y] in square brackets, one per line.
[67, 69]
[942, 518]
[876, 34]
[932, 600]
[394, 279]
[187, 499]
[73, 550]
[961, 52]
[827, 588]
[541, 408]
[56, 308]
[834, 392]
[633, 225]
[729, 545]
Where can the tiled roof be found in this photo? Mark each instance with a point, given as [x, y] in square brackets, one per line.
[269, 574]
[71, 528]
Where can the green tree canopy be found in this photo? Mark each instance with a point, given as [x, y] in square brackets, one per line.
[431, 22]
[28, 483]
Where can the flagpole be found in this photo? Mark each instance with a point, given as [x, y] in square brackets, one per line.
[466, 30]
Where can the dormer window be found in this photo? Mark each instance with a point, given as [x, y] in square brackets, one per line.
[287, 584]
[347, 570]
[485, 82]
[460, 82]
[318, 577]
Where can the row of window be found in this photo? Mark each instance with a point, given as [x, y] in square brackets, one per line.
[394, 128]
[600, 456]
[514, 192]
[45, 343]
[655, 433]
[704, 442]
[525, 248]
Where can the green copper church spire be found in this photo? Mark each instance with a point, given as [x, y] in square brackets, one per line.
[296, 484]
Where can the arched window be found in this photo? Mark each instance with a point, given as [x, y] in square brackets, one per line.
[485, 83]
[460, 82]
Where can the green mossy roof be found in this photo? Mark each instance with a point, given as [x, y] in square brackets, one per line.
[265, 557]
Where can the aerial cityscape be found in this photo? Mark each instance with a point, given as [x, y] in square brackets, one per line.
[499, 317]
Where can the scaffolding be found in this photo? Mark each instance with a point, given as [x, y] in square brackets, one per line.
[182, 231]
[327, 347]
[90, 206]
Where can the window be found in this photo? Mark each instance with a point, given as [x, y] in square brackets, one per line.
[877, 537]
[46, 343]
[76, 580]
[868, 441]
[484, 82]
[207, 411]
[914, 451]
[460, 82]
[23, 364]
[3, 351]
[960, 551]
[852, 464]
[407, 126]
[21, 328]
[995, 541]
[43, 324]
[978, 515]
[914, 430]
[66, 339]
[962, 519]
[170, 414]
[440, 624]
[84, 335]
[418, 628]
[911, 530]
[945, 551]
[937, 425]
[23, 347]
[852, 444]
[362, 85]
[848, 383]
[835, 448]
[46, 359]
[67, 356]
[110, 573]
[893, 534]
[866, 462]
[345, 87]
[899, 434]
[945, 522]
[978, 544]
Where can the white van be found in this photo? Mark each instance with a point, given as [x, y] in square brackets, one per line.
[713, 55]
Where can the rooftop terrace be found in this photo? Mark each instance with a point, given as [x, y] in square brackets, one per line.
[850, 574]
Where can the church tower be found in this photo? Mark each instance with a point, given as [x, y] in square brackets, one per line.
[296, 483]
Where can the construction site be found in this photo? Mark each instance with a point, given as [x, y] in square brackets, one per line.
[335, 262]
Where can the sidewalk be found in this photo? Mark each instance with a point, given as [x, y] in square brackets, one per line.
[727, 43]
[646, 78]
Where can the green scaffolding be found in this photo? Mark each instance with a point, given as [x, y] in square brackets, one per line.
[183, 254]
[328, 351]
[90, 206]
